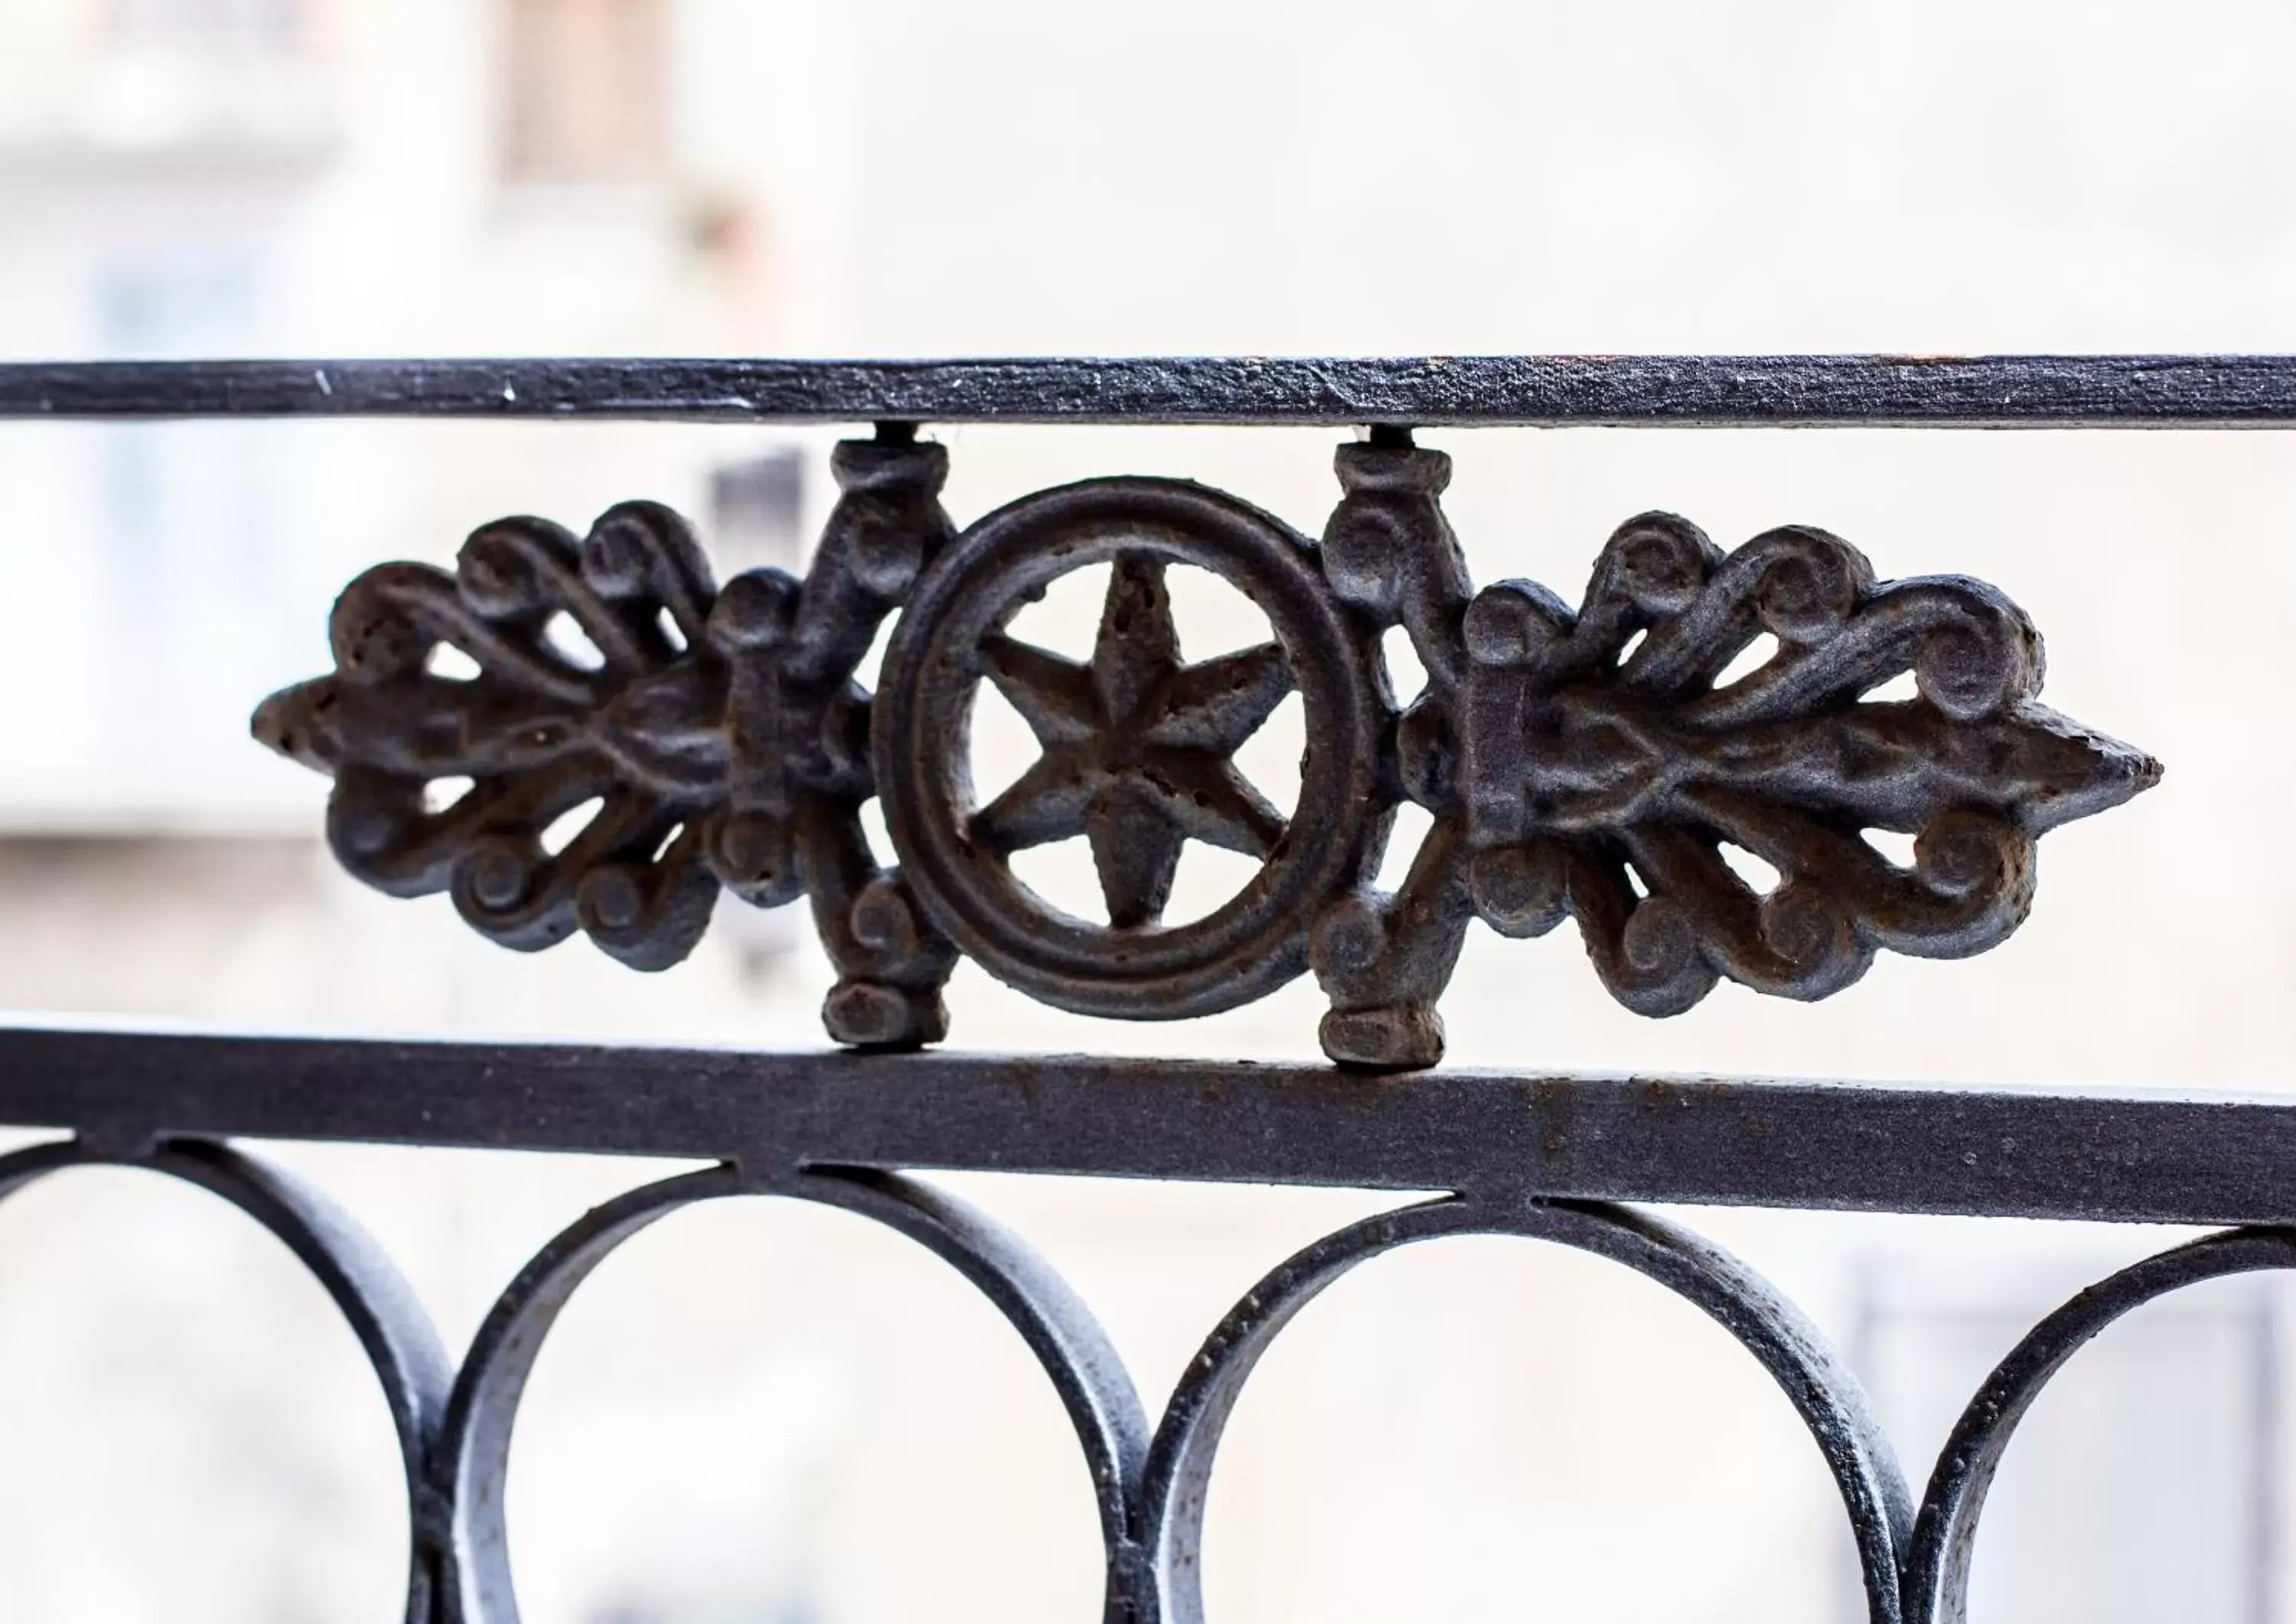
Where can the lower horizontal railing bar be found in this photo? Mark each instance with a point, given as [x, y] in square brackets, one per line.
[2129, 1157]
[1969, 391]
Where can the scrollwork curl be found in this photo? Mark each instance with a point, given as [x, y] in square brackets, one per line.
[1611, 763]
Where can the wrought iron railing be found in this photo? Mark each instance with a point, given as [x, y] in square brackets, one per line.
[1593, 763]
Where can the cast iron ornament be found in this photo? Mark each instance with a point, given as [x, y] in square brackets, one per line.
[1577, 764]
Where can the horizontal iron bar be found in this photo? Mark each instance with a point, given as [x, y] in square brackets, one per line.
[1974, 391]
[2161, 1158]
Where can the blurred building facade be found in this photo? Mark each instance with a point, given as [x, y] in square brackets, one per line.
[787, 1419]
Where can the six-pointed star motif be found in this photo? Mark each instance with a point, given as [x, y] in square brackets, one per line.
[1138, 746]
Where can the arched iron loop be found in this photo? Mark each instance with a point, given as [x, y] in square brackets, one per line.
[392, 1327]
[1823, 1391]
[473, 1456]
[1945, 1534]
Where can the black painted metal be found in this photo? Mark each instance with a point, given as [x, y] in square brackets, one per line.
[1827, 1396]
[1542, 1158]
[732, 769]
[472, 1459]
[383, 1310]
[1937, 1559]
[1856, 1147]
[1973, 391]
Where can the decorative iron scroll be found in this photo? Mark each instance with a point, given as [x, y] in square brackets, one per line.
[1588, 764]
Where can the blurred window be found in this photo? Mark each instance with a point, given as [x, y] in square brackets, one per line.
[265, 25]
[584, 90]
[756, 509]
[175, 499]
[188, 564]
[2140, 1485]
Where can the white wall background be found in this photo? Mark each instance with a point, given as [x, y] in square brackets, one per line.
[783, 1417]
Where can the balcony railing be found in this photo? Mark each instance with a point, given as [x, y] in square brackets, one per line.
[1596, 763]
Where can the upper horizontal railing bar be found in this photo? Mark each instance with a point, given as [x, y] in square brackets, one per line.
[2165, 1158]
[1938, 391]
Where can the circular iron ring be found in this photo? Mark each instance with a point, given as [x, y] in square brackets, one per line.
[393, 1329]
[1824, 1394]
[1255, 942]
[1945, 1536]
[474, 1448]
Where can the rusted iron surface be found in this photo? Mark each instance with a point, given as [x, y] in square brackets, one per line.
[1882, 390]
[1605, 764]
